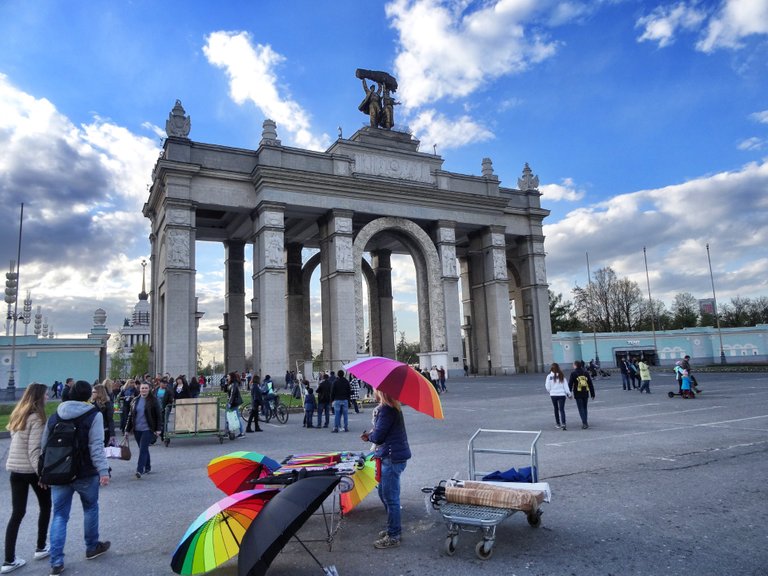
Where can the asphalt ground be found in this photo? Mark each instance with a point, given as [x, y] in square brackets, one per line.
[655, 485]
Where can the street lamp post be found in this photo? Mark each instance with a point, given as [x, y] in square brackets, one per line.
[717, 316]
[11, 297]
[650, 302]
[594, 321]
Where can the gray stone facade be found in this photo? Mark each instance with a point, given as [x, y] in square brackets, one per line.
[375, 194]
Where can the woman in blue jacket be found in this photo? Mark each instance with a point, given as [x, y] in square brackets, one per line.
[391, 441]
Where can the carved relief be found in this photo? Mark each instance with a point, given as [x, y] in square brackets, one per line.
[378, 165]
[273, 253]
[497, 239]
[448, 255]
[540, 271]
[446, 235]
[180, 217]
[178, 248]
[343, 253]
[343, 225]
[273, 219]
[499, 265]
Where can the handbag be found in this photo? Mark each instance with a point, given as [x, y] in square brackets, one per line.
[125, 448]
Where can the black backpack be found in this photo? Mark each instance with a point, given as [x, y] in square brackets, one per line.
[62, 454]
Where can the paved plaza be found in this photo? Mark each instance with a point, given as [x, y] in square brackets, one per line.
[655, 485]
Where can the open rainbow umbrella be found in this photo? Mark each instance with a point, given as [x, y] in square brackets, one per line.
[399, 381]
[215, 536]
[237, 471]
[364, 481]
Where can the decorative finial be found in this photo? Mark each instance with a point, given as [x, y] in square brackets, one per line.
[99, 317]
[528, 181]
[340, 135]
[178, 123]
[269, 133]
[487, 167]
[143, 294]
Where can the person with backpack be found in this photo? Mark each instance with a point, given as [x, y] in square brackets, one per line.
[580, 385]
[558, 392]
[76, 428]
[26, 425]
[145, 421]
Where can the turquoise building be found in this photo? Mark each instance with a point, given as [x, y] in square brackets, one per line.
[739, 346]
[45, 360]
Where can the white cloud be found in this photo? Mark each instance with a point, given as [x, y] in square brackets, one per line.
[753, 143]
[83, 188]
[449, 52]
[665, 22]
[252, 77]
[727, 210]
[761, 117]
[431, 127]
[736, 20]
[557, 192]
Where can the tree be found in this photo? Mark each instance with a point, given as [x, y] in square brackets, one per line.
[684, 311]
[563, 315]
[140, 359]
[118, 363]
[609, 303]
[406, 351]
[661, 318]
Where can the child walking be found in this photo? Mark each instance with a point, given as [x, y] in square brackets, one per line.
[309, 405]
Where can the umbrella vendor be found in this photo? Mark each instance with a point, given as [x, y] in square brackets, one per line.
[391, 447]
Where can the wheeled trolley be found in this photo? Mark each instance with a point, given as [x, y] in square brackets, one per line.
[194, 417]
[480, 506]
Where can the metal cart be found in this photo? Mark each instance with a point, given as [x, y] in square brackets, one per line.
[194, 417]
[485, 519]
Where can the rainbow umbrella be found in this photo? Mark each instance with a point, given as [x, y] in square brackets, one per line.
[399, 381]
[364, 481]
[237, 471]
[215, 536]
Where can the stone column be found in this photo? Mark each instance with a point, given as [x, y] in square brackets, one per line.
[446, 247]
[154, 316]
[177, 248]
[269, 278]
[492, 323]
[535, 306]
[470, 344]
[235, 305]
[295, 305]
[382, 330]
[337, 283]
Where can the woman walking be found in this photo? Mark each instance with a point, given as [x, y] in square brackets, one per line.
[26, 427]
[144, 422]
[100, 399]
[558, 391]
[580, 385]
[391, 441]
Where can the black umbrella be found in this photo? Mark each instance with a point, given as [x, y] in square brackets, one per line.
[279, 521]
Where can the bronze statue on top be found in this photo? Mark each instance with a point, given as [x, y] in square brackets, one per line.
[378, 103]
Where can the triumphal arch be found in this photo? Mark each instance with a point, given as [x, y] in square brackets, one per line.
[477, 248]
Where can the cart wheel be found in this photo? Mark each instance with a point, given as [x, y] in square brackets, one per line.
[484, 549]
[167, 441]
[534, 519]
[671, 394]
[450, 545]
[231, 435]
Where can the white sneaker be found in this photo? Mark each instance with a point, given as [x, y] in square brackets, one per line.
[41, 553]
[11, 566]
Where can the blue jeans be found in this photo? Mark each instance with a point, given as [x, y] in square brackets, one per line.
[88, 489]
[389, 492]
[558, 402]
[143, 438]
[581, 404]
[340, 406]
[323, 408]
[626, 383]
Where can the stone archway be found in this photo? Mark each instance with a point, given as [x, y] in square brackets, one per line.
[427, 263]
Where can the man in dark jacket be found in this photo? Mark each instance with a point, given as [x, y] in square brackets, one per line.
[256, 401]
[582, 388]
[323, 400]
[93, 472]
[340, 394]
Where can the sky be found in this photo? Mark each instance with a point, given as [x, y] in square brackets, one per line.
[646, 122]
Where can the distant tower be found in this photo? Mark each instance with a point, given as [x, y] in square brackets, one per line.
[136, 330]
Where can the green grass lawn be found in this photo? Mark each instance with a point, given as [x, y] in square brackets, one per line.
[6, 409]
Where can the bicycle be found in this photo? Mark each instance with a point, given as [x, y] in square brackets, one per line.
[276, 410]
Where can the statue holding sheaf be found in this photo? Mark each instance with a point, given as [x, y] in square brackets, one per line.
[378, 103]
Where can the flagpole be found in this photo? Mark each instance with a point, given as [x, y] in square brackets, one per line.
[717, 316]
[650, 301]
[594, 330]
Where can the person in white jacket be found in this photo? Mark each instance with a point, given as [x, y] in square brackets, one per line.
[557, 386]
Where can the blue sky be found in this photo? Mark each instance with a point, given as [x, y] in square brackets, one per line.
[646, 122]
